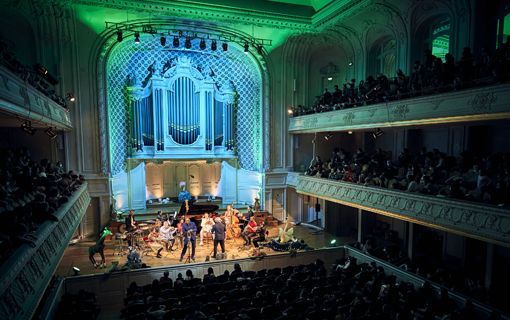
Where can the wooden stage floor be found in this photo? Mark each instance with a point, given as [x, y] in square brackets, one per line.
[77, 255]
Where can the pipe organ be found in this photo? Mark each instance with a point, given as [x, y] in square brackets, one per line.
[180, 112]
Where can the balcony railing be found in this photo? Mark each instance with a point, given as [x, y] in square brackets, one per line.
[20, 99]
[485, 222]
[26, 274]
[487, 103]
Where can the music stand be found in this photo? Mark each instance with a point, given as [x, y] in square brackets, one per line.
[188, 258]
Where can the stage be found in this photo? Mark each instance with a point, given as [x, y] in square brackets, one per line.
[77, 255]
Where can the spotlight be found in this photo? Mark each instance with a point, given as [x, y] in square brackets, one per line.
[246, 47]
[137, 37]
[349, 132]
[187, 43]
[202, 44]
[350, 63]
[377, 133]
[76, 271]
[290, 111]
[162, 40]
[176, 42]
[224, 46]
[51, 134]
[328, 136]
[259, 49]
[213, 45]
[27, 127]
[332, 243]
[120, 36]
[70, 97]
[330, 78]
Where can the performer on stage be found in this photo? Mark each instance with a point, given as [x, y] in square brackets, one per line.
[166, 232]
[180, 236]
[206, 225]
[99, 248]
[153, 241]
[189, 231]
[130, 221]
[218, 231]
[261, 235]
[250, 231]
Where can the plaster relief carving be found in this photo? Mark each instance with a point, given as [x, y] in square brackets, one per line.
[348, 118]
[400, 111]
[482, 101]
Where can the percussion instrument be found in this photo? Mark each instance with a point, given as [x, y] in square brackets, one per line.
[122, 228]
[144, 228]
[142, 225]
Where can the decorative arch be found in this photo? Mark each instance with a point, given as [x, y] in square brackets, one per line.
[102, 51]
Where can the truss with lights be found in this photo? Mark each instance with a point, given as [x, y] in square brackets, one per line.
[188, 35]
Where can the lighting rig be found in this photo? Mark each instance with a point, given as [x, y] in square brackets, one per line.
[178, 35]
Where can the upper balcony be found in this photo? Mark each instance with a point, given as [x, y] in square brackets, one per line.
[475, 220]
[26, 274]
[486, 103]
[20, 100]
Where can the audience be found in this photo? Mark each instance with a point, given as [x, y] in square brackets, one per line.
[431, 76]
[466, 177]
[30, 193]
[351, 291]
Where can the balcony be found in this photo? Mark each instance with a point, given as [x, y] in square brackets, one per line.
[26, 274]
[470, 219]
[21, 100]
[487, 103]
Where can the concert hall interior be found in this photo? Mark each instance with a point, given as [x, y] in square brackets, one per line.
[262, 159]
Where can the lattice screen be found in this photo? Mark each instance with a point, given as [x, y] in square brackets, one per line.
[129, 58]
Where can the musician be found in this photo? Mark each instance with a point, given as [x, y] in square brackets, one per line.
[130, 221]
[250, 231]
[189, 231]
[161, 216]
[206, 226]
[179, 232]
[154, 241]
[228, 215]
[166, 232]
[261, 235]
[219, 233]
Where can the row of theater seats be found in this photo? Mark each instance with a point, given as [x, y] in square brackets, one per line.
[350, 291]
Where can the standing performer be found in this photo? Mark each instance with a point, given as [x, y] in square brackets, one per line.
[99, 248]
[219, 231]
[206, 225]
[189, 231]
[130, 221]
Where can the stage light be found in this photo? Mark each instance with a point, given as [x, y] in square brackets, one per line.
[162, 40]
[328, 136]
[213, 45]
[120, 36]
[259, 49]
[76, 271]
[27, 127]
[202, 44]
[332, 243]
[176, 42]
[350, 63]
[224, 46]
[70, 97]
[187, 43]
[377, 133]
[330, 78]
[290, 111]
[349, 132]
[246, 47]
[137, 37]
[51, 134]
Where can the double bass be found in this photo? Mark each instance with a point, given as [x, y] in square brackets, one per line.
[232, 223]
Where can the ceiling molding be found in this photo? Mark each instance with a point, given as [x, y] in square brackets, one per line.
[208, 12]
